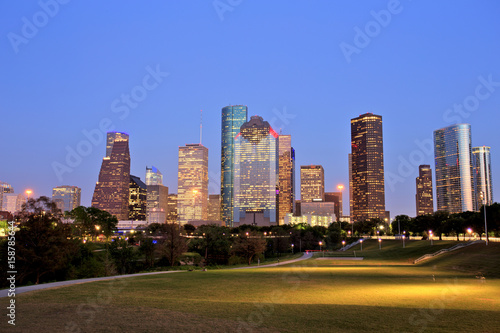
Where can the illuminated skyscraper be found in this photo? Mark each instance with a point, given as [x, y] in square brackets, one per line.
[66, 198]
[233, 117]
[454, 175]
[112, 189]
[367, 168]
[192, 197]
[286, 185]
[312, 183]
[172, 215]
[255, 170]
[482, 174]
[423, 198]
[153, 176]
[214, 207]
[335, 197]
[13, 203]
[157, 204]
[5, 188]
[137, 199]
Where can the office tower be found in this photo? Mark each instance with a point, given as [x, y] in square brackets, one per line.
[192, 184]
[312, 183]
[66, 198]
[286, 184]
[423, 198]
[233, 117]
[5, 188]
[214, 207]
[157, 204]
[454, 176]
[153, 176]
[367, 168]
[13, 203]
[137, 199]
[350, 187]
[112, 189]
[172, 215]
[335, 197]
[255, 171]
[482, 175]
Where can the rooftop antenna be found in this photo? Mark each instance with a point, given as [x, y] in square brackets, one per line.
[201, 124]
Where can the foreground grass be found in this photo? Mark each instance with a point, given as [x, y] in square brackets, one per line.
[378, 294]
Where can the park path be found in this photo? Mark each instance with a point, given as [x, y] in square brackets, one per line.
[20, 290]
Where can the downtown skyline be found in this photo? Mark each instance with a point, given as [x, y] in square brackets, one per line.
[309, 95]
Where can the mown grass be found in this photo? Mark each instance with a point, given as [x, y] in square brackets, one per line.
[381, 293]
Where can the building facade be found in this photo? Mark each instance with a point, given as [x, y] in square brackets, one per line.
[192, 183]
[482, 175]
[424, 198]
[312, 183]
[214, 207]
[157, 204]
[12, 202]
[111, 192]
[172, 216]
[137, 200]
[367, 168]
[255, 171]
[454, 175]
[66, 198]
[286, 183]
[336, 198]
[4, 188]
[153, 176]
[233, 117]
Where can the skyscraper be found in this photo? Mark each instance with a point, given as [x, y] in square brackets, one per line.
[482, 175]
[255, 171]
[66, 198]
[312, 183]
[213, 207]
[112, 189]
[454, 175]
[153, 176]
[367, 168]
[424, 198]
[137, 199]
[335, 197]
[157, 204]
[286, 184]
[172, 215]
[4, 188]
[192, 197]
[12, 202]
[233, 117]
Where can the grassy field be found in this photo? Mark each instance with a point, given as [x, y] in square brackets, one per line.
[384, 292]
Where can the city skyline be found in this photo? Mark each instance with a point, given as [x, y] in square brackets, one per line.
[310, 95]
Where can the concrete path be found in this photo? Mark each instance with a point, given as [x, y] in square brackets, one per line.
[20, 290]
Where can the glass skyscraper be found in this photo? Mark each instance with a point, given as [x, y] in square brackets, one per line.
[153, 176]
[233, 117]
[424, 199]
[66, 198]
[137, 199]
[367, 168]
[312, 183]
[454, 174]
[286, 184]
[255, 170]
[482, 175]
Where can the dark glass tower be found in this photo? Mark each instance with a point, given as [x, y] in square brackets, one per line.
[424, 199]
[112, 189]
[482, 175]
[367, 168]
[233, 117]
[286, 186]
[137, 201]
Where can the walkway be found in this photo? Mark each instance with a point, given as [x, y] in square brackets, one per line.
[20, 290]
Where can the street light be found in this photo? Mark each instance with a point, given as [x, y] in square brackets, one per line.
[380, 243]
[292, 248]
[361, 242]
[483, 199]
[320, 244]
[404, 236]
[430, 235]
[469, 231]
[343, 243]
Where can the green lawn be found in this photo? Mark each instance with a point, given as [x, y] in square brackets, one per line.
[383, 293]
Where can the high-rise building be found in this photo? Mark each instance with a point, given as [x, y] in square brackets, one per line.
[233, 117]
[424, 198]
[153, 176]
[482, 175]
[112, 189]
[66, 198]
[157, 204]
[214, 207]
[312, 183]
[286, 184]
[12, 202]
[367, 168]
[255, 171]
[5, 188]
[172, 215]
[454, 175]
[335, 197]
[192, 185]
[350, 187]
[137, 200]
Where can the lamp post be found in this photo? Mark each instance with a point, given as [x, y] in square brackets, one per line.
[361, 242]
[28, 193]
[469, 231]
[292, 248]
[430, 235]
[483, 199]
[320, 244]
[380, 243]
[404, 236]
[343, 243]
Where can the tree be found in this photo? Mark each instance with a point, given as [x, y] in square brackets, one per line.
[248, 245]
[91, 221]
[148, 249]
[45, 245]
[123, 255]
[214, 244]
[401, 223]
[173, 245]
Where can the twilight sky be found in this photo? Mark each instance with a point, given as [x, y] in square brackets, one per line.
[73, 69]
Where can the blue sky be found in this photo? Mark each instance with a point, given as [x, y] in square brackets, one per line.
[67, 67]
